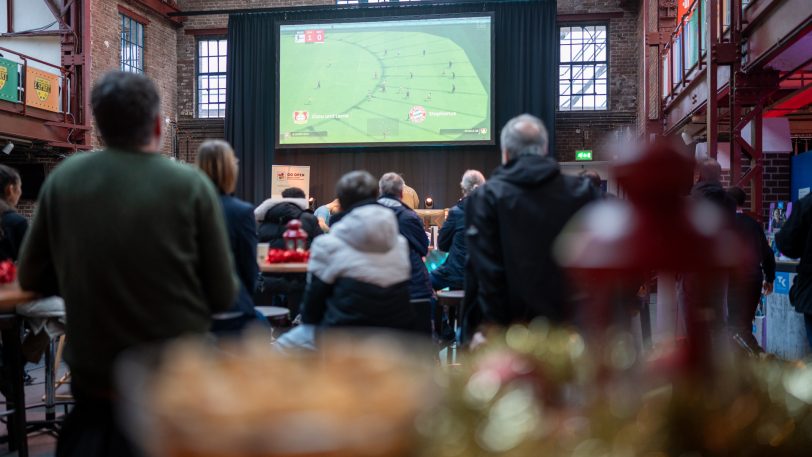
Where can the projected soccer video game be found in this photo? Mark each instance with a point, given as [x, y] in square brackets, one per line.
[402, 81]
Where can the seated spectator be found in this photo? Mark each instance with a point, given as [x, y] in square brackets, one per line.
[411, 227]
[410, 197]
[216, 159]
[274, 214]
[358, 274]
[451, 239]
[12, 225]
[324, 212]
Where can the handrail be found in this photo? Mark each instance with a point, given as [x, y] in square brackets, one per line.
[33, 59]
[63, 75]
[681, 65]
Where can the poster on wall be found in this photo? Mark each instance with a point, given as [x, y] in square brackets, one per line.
[9, 80]
[287, 176]
[42, 89]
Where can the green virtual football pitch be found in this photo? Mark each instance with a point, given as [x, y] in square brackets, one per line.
[385, 86]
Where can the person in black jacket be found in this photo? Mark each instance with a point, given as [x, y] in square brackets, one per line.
[512, 221]
[795, 241]
[274, 214]
[744, 290]
[12, 225]
[216, 159]
[358, 274]
[451, 239]
[692, 292]
[411, 227]
[709, 187]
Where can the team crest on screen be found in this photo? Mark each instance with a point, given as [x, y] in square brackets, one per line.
[3, 76]
[300, 117]
[417, 114]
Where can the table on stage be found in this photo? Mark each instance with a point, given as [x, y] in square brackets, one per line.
[283, 268]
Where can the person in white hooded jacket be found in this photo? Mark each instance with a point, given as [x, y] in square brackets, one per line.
[358, 274]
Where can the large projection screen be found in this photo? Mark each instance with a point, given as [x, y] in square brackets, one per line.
[386, 81]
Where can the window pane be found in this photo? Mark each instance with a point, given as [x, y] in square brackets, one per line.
[600, 52]
[132, 45]
[565, 54]
[583, 83]
[211, 80]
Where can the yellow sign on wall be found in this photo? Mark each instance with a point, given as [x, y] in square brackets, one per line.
[41, 89]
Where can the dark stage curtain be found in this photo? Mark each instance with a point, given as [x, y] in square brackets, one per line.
[525, 62]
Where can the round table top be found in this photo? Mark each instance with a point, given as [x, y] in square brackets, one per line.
[451, 293]
[272, 311]
[12, 295]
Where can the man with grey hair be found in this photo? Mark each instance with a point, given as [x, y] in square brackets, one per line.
[512, 221]
[451, 239]
[410, 226]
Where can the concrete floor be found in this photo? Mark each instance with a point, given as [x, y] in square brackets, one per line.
[40, 444]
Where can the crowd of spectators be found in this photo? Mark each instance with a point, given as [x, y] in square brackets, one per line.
[137, 268]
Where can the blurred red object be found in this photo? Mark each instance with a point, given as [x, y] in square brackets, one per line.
[612, 244]
[285, 256]
[8, 272]
[295, 238]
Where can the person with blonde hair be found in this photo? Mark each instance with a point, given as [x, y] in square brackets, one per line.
[216, 159]
[451, 239]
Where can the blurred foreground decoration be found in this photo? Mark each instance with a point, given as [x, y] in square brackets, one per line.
[533, 391]
[610, 247]
[359, 395]
[539, 391]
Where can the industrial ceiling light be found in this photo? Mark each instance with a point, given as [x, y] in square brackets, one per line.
[8, 148]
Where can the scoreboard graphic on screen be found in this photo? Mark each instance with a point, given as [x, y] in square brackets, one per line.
[386, 81]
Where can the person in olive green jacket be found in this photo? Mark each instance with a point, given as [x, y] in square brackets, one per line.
[135, 244]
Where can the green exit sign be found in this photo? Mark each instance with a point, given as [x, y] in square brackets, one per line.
[583, 156]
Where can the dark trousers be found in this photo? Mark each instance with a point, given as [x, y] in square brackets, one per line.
[92, 429]
[743, 297]
[439, 282]
[808, 323]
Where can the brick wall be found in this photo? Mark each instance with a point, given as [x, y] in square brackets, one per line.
[192, 131]
[776, 180]
[160, 54]
[587, 129]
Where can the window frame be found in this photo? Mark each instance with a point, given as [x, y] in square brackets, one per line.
[124, 16]
[607, 62]
[200, 39]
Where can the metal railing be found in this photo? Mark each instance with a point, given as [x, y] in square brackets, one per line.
[63, 86]
[685, 53]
